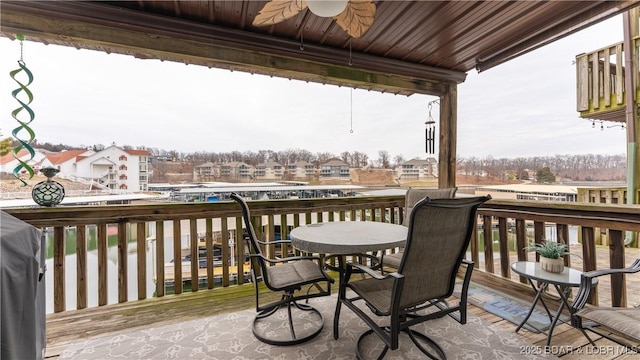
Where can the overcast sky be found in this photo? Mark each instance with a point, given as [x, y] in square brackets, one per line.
[525, 107]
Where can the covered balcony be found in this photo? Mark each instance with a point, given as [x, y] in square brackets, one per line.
[406, 51]
[136, 279]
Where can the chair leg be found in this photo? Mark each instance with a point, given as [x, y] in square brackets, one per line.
[413, 334]
[267, 324]
[415, 337]
[293, 331]
[265, 313]
[587, 336]
[359, 354]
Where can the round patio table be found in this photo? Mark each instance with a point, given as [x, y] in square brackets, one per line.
[348, 237]
[344, 238]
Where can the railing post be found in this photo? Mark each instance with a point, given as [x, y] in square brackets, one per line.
[160, 278]
[503, 240]
[589, 257]
[488, 244]
[475, 257]
[539, 234]
[240, 244]
[194, 238]
[284, 233]
[59, 301]
[123, 291]
[81, 266]
[563, 238]
[582, 70]
[616, 259]
[103, 285]
[224, 251]
[177, 257]
[521, 243]
[141, 256]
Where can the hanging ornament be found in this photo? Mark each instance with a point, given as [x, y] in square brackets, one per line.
[18, 132]
[49, 192]
[430, 132]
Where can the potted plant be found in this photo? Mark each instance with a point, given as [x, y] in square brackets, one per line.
[551, 254]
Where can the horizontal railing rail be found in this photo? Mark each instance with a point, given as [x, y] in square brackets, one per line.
[124, 237]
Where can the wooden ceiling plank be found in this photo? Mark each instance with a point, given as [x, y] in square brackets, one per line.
[483, 21]
[425, 49]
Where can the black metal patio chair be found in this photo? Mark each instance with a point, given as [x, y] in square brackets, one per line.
[297, 322]
[412, 196]
[616, 323]
[438, 236]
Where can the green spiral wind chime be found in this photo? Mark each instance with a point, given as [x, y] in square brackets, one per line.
[45, 193]
[24, 142]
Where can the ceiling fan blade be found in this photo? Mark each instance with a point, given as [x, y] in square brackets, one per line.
[357, 18]
[276, 11]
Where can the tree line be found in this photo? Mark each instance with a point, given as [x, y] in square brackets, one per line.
[588, 167]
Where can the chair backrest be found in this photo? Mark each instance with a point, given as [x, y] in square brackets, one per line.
[257, 262]
[438, 237]
[414, 195]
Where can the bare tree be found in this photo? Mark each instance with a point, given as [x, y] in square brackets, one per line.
[346, 157]
[383, 159]
[397, 160]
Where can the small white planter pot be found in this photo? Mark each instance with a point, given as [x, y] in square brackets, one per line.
[552, 265]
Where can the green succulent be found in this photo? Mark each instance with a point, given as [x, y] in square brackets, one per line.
[549, 249]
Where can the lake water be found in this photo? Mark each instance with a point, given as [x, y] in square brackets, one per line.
[92, 278]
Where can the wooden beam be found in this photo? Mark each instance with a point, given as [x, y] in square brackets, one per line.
[111, 29]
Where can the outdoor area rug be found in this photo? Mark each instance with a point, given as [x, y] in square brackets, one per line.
[510, 308]
[229, 336]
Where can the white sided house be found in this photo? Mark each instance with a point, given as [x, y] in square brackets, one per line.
[335, 169]
[65, 161]
[237, 171]
[417, 169]
[116, 169]
[9, 162]
[302, 170]
[206, 172]
[270, 170]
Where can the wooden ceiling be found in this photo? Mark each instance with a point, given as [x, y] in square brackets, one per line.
[412, 47]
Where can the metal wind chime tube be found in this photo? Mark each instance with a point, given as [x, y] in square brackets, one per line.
[430, 131]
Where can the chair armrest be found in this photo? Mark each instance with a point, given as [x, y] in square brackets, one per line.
[374, 274]
[275, 242]
[287, 259]
[587, 282]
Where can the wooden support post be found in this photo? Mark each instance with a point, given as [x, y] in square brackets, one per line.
[448, 138]
[633, 126]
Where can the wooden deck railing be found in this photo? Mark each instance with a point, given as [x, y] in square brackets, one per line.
[500, 222]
